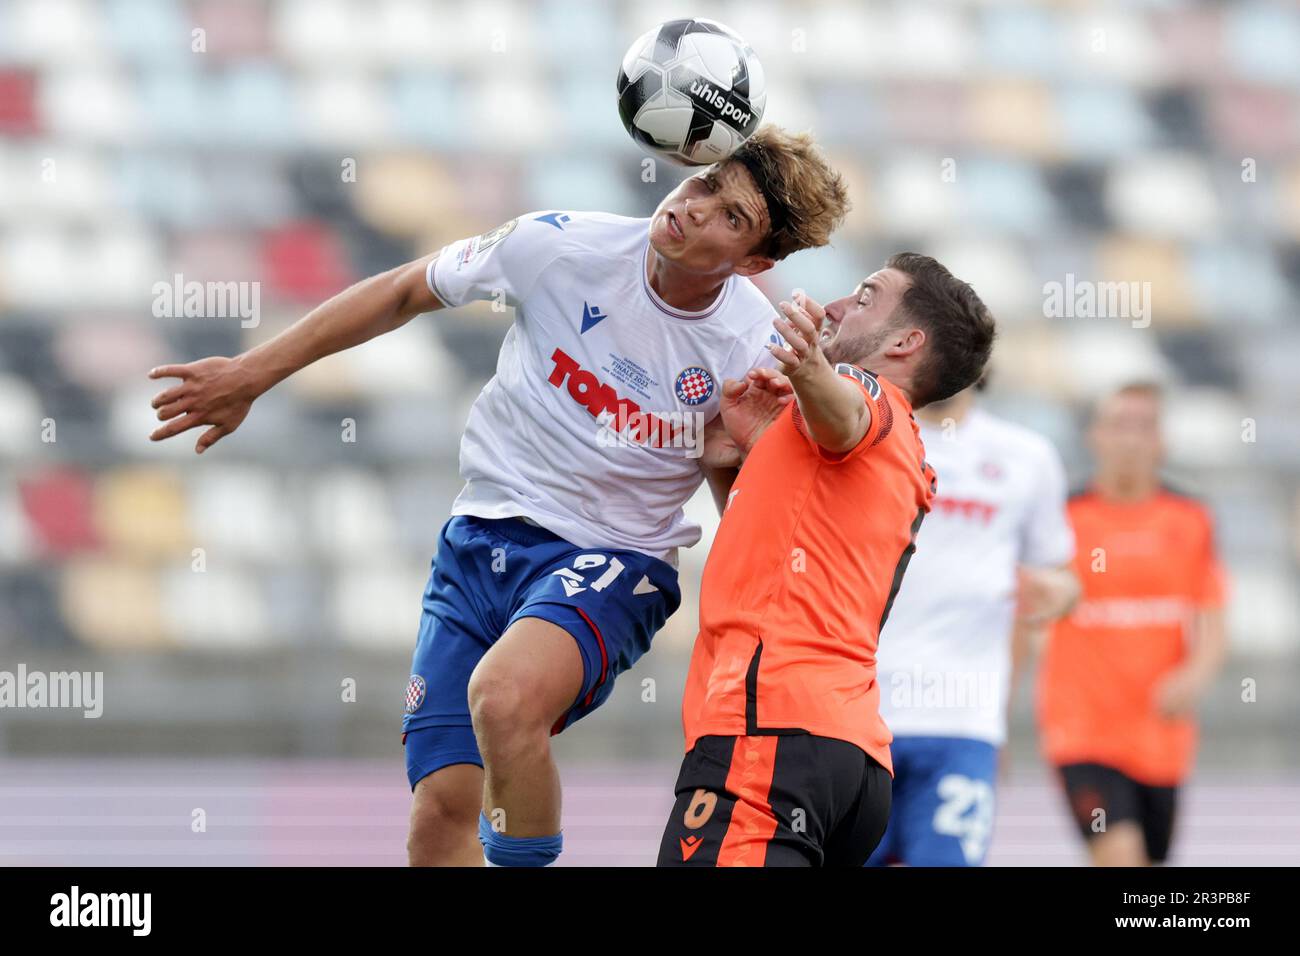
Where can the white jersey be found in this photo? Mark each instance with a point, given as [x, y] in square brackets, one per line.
[592, 425]
[944, 660]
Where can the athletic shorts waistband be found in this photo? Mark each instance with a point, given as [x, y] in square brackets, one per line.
[519, 530]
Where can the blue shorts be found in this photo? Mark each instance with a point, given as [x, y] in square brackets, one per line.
[487, 574]
[943, 802]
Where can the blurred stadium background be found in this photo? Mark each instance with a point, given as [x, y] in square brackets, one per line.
[229, 599]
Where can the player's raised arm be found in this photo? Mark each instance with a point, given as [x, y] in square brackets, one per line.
[219, 391]
[749, 406]
[833, 409]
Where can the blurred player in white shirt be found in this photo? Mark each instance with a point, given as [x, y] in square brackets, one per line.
[991, 567]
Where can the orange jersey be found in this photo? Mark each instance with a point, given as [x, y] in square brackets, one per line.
[1145, 567]
[808, 557]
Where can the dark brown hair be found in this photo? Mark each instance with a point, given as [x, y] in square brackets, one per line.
[959, 328]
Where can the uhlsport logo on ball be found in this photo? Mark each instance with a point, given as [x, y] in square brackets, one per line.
[692, 91]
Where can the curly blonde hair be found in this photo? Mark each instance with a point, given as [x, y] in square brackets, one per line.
[806, 197]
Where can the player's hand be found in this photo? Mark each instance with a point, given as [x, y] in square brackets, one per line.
[720, 450]
[1177, 694]
[799, 324]
[1034, 597]
[1044, 594]
[213, 391]
[751, 404]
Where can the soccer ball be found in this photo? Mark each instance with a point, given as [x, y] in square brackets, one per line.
[692, 91]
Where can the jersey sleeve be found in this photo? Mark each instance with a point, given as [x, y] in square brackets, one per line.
[882, 416]
[1209, 589]
[764, 358]
[502, 264]
[750, 351]
[1046, 538]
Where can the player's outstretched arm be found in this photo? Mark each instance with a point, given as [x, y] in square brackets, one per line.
[833, 408]
[218, 391]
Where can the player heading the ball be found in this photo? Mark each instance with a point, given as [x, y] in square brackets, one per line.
[558, 564]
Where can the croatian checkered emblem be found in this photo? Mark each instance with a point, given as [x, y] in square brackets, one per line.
[694, 385]
[415, 693]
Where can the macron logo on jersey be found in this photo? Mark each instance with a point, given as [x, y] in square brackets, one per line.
[556, 219]
[599, 399]
[591, 314]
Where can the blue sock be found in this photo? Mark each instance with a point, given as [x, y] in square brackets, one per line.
[502, 850]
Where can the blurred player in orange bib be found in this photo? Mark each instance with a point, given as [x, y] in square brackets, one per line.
[1122, 674]
[787, 758]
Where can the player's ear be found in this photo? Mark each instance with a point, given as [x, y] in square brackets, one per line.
[753, 265]
[907, 342]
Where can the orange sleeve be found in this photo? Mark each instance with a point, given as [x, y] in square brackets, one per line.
[882, 416]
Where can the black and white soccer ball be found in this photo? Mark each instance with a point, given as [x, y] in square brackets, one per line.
[692, 91]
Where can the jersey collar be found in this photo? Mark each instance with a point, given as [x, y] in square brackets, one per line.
[667, 309]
